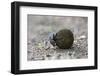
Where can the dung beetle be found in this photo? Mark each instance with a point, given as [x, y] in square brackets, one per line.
[63, 39]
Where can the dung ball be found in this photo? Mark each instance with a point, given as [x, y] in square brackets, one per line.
[64, 39]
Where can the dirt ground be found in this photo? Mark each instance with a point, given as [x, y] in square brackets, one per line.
[39, 29]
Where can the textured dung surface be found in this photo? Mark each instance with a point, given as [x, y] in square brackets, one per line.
[40, 27]
[64, 39]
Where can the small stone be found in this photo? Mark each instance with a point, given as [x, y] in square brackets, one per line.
[48, 55]
[82, 37]
[58, 56]
[70, 54]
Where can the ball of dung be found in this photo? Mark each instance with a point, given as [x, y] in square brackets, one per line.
[64, 39]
